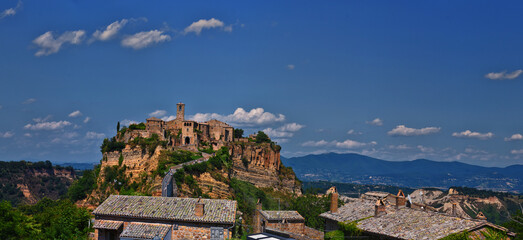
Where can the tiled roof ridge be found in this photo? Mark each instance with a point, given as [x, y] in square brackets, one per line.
[167, 208]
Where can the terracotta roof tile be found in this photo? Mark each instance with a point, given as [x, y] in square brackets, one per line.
[354, 209]
[107, 224]
[168, 208]
[145, 230]
[407, 223]
[280, 215]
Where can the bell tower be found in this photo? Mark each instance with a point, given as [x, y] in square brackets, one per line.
[180, 111]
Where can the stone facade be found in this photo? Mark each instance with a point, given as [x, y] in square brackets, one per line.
[182, 132]
[176, 218]
[284, 223]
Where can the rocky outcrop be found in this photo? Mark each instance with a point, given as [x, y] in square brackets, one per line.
[213, 187]
[464, 206]
[260, 165]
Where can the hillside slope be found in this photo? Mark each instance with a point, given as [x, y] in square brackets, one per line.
[27, 182]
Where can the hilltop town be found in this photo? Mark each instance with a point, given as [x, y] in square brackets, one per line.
[183, 179]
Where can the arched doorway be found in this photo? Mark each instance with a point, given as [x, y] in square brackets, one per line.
[187, 140]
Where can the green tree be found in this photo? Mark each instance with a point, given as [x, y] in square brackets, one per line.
[118, 127]
[310, 207]
[16, 225]
[120, 159]
[82, 186]
[261, 137]
[238, 133]
[60, 219]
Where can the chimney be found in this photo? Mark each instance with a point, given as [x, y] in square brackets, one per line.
[199, 208]
[400, 199]
[379, 208]
[257, 218]
[454, 209]
[334, 200]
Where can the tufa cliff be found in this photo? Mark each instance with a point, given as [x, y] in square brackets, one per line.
[201, 158]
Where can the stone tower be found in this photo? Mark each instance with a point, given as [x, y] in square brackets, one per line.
[180, 111]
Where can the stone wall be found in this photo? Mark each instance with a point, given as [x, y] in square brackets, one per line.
[136, 160]
[313, 233]
[196, 232]
[293, 227]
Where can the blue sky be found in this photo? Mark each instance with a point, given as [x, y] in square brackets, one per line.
[396, 80]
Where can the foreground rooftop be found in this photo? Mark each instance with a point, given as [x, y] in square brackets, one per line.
[167, 208]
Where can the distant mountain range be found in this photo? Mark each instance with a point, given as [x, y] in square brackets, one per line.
[78, 166]
[360, 169]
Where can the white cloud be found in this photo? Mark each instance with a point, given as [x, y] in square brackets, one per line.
[519, 151]
[11, 11]
[76, 113]
[353, 144]
[504, 75]
[470, 134]
[375, 122]
[42, 119]
[424, 149]
[347, 144]
[7, 134]
[158, 113]
[291, 127]
[514, 137]
[28, 135]
[110, 31]
[29, 101]
[291, 66]
[286, 130]
[94, 135]
[48, 44]
[280, 140]
[320, 143]
[256, 116]
[198, 26]
[87, 119]
[41, 125]
[127, 122]
[144, 39]
[353, 132]
[400, 147]
[402, 130]
[168, 118]
[228, 29]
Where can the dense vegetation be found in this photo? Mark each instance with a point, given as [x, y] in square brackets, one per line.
[109, 145]
[261, 137]
[171, 158]
[81, 187]
[48, 219]
[238, 133]
[140, 126]
[516, 225]
[148, 144]
[39, 178]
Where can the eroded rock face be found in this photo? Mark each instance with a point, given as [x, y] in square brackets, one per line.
[135, 160]
[212, 187]
[260, 165]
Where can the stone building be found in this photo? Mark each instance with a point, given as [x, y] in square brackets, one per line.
[182, 132]
[166, 218]
[284, 223]
[386, 216]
